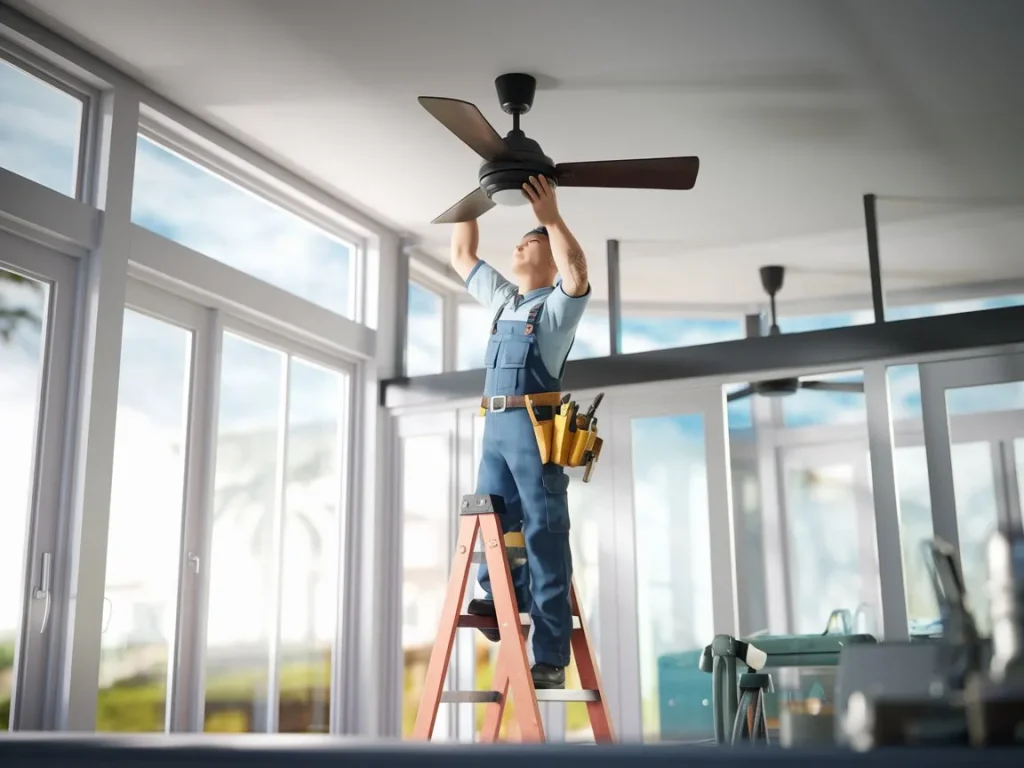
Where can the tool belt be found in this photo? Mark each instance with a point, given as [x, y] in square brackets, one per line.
[500, 403]
[569, 439]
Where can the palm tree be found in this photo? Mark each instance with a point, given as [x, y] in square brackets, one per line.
[12, 316]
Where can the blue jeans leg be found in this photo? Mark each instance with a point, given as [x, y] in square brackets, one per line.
[495, 478]
[543, 489]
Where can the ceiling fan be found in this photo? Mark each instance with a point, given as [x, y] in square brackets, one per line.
[510, 161]
[771, 280]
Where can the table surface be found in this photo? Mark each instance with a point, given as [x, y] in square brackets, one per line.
[304, 751]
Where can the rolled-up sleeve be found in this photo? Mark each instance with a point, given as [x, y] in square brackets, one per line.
[562, 311]
[487, 286]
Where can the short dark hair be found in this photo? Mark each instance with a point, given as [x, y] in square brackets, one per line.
[537, 231]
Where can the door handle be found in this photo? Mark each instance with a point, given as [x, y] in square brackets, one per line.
[193, 561]
[43, 593]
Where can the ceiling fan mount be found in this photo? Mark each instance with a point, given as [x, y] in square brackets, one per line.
[772, 278]
[509, 162]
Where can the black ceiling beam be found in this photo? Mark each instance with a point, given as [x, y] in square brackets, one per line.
[755, 357]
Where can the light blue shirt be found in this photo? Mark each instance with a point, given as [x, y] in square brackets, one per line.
[557, 322]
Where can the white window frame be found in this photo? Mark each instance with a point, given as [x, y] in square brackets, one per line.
[36, 650]
[61, 79]
[105, 242]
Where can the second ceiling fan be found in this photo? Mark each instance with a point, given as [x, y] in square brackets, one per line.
[771, 281]
[510, 161]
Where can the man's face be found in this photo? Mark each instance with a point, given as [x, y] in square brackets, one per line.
[532, 257]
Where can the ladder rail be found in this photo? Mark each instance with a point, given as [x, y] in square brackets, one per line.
[513, 646]
[437, 667]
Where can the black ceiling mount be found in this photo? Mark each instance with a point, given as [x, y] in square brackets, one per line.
[516, 92]
[771, 281]
[509, 162]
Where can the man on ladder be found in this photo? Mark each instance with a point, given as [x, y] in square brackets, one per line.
[533, 329]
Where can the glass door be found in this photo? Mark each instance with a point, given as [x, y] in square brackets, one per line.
[270, 555]
[429, 489]
[976, 485]
[146, 659]
[37, 295]
[674, 561]
[829, 535]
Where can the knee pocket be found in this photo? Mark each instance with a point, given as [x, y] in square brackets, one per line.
[556, 500]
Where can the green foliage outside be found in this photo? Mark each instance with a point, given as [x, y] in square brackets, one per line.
[11, 317]
[137, 705]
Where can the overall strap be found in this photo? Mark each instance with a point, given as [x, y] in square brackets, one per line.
[497, 315]
[531, 319]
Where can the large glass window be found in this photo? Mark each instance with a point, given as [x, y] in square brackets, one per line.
[274, 558]
[424, 344]
[40, 130]
[186, 203]
[644, 333]
[674, 610]
[23, 308]
[144, 539]
[426, 552]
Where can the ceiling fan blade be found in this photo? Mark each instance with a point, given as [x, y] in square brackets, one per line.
[739, 394]
[468, 123]
[472, 206]
[647, 173]
[834, 386]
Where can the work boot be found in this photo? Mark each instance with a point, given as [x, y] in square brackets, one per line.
[485, 608]
[547, 676]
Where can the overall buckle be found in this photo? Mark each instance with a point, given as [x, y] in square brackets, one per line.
[493, 406]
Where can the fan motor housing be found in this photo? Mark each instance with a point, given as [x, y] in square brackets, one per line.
[514, 168]
[777, 387]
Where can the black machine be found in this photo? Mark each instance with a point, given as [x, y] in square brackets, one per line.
[510, 161]
[961, 689]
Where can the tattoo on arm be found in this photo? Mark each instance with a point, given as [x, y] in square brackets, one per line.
[578, 267]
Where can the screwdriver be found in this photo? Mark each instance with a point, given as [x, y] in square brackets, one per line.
[589, 417]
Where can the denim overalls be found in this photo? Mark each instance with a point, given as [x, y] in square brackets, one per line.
[535, 494]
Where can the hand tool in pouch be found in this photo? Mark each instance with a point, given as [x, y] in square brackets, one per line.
[560, 432]
[542, 431]
[568, 434]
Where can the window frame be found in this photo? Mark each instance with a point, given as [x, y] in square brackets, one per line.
[88, 96]
[446, 322]
[234, 174]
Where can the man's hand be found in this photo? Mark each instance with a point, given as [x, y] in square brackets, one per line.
[542, 198]
[568, 255]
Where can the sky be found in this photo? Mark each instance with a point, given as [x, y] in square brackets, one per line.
[39, 128]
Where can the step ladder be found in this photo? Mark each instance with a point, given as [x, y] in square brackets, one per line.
[512, 669]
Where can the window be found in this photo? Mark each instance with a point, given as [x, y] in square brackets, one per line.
[274, 559]
[144, 538]
[645, 333]
[424, 343]
[23, 307]
[183, 202]
[40, 130]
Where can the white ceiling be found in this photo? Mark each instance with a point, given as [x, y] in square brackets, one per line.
[795, 107]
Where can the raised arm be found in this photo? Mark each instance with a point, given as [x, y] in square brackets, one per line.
[465, 240]
[569, 257]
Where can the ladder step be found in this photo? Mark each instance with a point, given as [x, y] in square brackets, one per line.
[486, 622]
[488, 697]
[515, 555]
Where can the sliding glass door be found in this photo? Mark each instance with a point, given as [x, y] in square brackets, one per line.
[37, 297]
[674, 563]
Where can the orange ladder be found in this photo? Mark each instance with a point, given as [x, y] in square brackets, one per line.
[512, 671]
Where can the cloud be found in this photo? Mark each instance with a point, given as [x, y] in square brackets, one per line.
[40, 129]
[185, 203]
